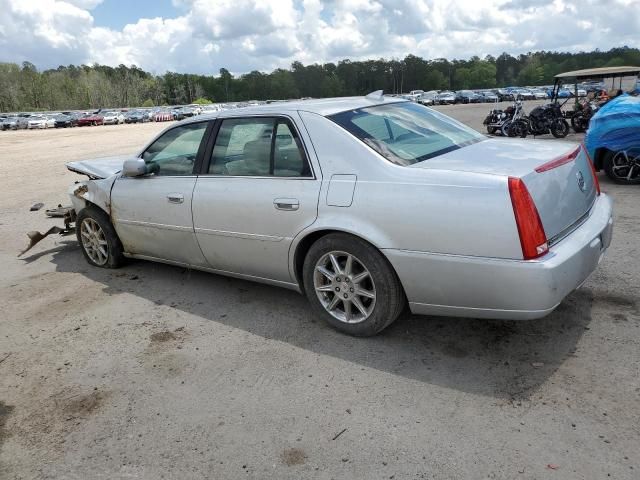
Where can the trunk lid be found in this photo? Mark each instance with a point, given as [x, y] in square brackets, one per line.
[99, 167]
[563, 192]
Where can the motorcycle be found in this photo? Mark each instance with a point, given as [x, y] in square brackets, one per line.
[581, 116]
[547, 119]
[500, 120]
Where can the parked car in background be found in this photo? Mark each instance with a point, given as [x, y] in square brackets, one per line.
[66, 120]
[163, 116]
[488, 96]
[467, 96]
[525, 94]
[428, 98]
[539, 94]
[503, 94]
[446, 98]
[91, 119]
[112, 117]
[393, 231]
[135, 116]
[15, 123]
[40, 121]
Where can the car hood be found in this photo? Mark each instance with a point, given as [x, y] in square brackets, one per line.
[102, 167]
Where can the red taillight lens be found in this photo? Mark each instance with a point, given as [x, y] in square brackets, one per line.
[556, 162]
[596, 182]
[532, 237]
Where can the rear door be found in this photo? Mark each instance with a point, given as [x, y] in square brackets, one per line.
[258, 189]
[152, 213]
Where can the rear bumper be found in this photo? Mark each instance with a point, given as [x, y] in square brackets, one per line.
[479, 287]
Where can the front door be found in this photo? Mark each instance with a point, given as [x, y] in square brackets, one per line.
[257, 192]
[152, 213]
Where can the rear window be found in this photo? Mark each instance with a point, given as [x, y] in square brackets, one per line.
[406, 133]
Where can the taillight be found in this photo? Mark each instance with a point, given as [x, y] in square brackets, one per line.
[596, 182]
[532, 237]
[556, 162]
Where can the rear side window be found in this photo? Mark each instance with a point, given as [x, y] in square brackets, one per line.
[258, 147]
[406, 133]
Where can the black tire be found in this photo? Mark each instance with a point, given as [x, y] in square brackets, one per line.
[518, 129]
[610, 160]
[114, 250]
[559, 128]
[389, 295]
[491, 130]
[576, 123]
[505, 127]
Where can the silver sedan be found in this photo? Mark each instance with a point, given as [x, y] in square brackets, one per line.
[364, 204]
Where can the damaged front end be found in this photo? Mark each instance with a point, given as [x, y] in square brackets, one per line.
[96, 190]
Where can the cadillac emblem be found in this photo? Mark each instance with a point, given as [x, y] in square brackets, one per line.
[581, 184]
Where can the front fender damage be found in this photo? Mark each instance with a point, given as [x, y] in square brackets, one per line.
[96, 192]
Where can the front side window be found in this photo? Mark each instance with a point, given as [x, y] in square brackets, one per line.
[174, 153]
[406, 133]
[258, 147]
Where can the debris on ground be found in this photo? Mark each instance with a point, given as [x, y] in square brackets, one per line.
[36, 206]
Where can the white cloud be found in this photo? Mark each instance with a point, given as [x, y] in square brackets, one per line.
[244, 35]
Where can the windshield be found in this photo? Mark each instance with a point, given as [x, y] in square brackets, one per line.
[406, 133]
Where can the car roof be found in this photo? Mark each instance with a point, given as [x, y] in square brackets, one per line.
[322, 106]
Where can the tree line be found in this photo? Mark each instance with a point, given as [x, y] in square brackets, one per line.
[25, 88]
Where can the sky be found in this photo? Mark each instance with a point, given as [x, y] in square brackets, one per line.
[202, 36]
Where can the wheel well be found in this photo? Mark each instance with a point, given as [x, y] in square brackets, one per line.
[598, 161]
[305, 244]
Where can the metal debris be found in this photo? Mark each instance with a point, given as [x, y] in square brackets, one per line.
[69, 216]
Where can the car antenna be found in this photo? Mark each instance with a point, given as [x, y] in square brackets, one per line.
[377, 96]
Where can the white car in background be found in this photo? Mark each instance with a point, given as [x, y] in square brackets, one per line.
[113, 118]
[40, 122]
[539, 94]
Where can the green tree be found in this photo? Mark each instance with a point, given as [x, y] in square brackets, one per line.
[148, 103]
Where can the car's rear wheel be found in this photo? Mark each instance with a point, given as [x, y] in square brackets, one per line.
[351, 285]
[98, 239]
[624, 166]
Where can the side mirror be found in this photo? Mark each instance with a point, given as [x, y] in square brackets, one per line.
[134, 167]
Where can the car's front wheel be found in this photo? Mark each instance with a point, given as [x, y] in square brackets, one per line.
[98, 239]
[352, 285]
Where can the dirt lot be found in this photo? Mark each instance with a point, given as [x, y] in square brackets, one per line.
[154, 372]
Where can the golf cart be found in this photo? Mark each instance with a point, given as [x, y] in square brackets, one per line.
[605, 83]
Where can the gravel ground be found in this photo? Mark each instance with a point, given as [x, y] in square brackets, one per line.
[153, 371]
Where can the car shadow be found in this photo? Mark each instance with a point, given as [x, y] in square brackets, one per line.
[507, 360]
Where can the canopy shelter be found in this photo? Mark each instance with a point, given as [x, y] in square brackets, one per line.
[613, 78]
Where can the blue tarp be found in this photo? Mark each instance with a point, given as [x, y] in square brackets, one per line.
[615, 126]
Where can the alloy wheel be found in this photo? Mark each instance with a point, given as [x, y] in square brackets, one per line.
[625, 164]
[94, 241]
[344, 287]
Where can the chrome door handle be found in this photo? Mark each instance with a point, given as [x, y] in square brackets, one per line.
[175, 198]
[288, 204]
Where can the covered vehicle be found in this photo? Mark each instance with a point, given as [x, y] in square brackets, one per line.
[613, 139]
[365, 204]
